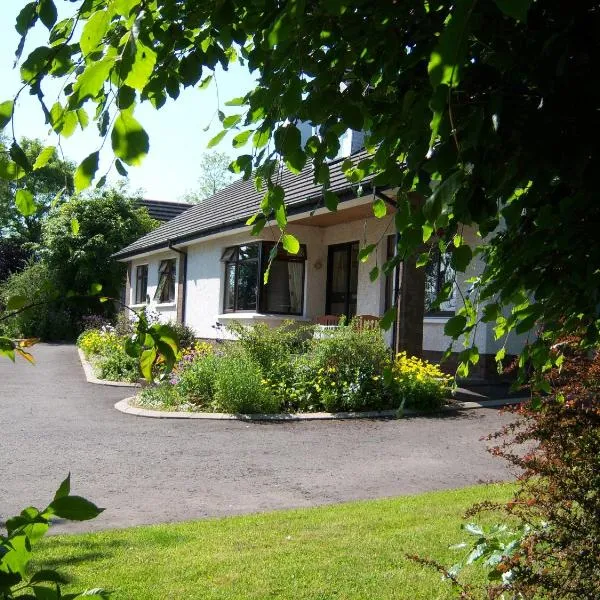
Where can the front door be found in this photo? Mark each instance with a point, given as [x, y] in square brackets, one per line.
[342, 279]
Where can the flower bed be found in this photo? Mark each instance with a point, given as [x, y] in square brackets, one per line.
[104, 347]
[285, 369]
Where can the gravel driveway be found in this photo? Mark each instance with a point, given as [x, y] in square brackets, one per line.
[155, 470]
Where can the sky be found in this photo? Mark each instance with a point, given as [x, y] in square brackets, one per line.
[177, 136]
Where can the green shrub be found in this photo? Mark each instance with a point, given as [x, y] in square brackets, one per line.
[196, 382]
[345, 370]
[418, 383]
[272, 347]
[51, 318]
[117, 365]
[239, 386]
[186, 335]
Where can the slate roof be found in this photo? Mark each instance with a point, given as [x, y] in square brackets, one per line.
[231, 207]
[161, 210]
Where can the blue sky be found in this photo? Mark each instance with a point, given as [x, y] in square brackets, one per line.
[177, 136]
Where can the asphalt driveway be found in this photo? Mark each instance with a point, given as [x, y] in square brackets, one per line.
[157, 470]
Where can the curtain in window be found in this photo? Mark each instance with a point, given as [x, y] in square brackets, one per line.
[165, 290]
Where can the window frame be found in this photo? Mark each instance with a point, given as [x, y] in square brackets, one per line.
[262, 260]
[437, 260]
[136, 290]
[158, 293]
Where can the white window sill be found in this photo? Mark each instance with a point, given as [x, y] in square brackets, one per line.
[144, 305]
[243, 316]
[436, 319]
[166, 305]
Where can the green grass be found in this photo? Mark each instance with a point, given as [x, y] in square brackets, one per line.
[354, 550]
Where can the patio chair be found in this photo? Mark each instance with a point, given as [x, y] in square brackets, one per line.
[366, 321]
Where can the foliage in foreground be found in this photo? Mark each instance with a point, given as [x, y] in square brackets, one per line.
[286, 369]
[353, 550]
[23, 532]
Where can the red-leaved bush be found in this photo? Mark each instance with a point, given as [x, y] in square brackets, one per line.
[556, 443]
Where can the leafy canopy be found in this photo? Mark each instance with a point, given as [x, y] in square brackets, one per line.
[484, 111]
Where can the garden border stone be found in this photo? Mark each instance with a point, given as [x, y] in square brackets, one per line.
[91, 378]
[124, 406]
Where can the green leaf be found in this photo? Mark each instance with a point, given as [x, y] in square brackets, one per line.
[517, 9]
[74, 226]
[142, 67]
[82, 117]
[10, 170]
[241, 138]
[44, 157]
[25, 203]
[214, 141]
[455, 326]
[280, 216]
[240, 101]
[231, 121]
[129, 140]
[388, 319]
[6, 111]
[17, 154]
[290, 243]
[35, 63]
[47, 13]
[95, 288]
[365, 252]
[94, 31]
[261, 137]
[331, 201]
[86, 171]
[500, 354]
[64, 489]
[47, 575]
[74, 508]
[374, 274]
[379, 208]
[147, 359]
[422, 259]
[91, 81]
[461, 257]
[446, 61]
[26, 18]
[121, 170]
[205, 83]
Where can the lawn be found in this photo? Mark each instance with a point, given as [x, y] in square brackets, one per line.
[354, 550]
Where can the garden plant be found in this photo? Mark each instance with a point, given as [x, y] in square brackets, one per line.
[287, 369]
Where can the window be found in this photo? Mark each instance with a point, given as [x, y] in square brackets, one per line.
[165, 291]
[390, 252]
[141, 284]
[245, 289]
[438, 276]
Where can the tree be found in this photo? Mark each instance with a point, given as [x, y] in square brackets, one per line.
[80, 236]
[214, 175]
[49, 184]
[75, 264]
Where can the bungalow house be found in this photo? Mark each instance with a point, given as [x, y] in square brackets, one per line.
[205, 269]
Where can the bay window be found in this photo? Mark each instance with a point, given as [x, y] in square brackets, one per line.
[245, 289]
